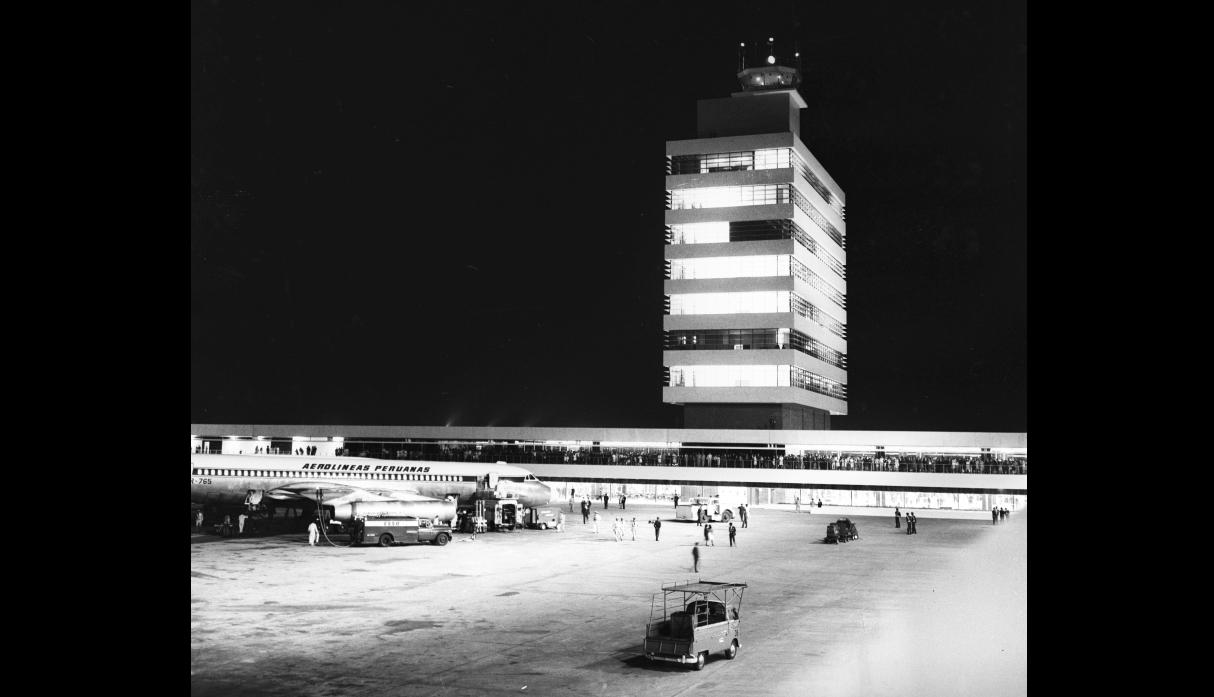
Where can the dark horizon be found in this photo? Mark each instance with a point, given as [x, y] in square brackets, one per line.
[410, 215]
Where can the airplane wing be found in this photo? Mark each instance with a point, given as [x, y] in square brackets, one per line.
[341, 492]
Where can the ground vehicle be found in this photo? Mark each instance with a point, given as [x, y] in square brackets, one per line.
[389, 530]
[689, 621]
[842, 530]
[690, 510]
[499, 513]
[535, 518]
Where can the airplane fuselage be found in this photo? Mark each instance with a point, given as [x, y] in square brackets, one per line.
[226, 480]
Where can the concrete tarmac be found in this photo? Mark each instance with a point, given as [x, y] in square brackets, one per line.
[940, 613]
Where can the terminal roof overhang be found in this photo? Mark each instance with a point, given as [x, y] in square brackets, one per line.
[646, 436]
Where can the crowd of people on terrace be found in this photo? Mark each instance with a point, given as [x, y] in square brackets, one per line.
[693, 457]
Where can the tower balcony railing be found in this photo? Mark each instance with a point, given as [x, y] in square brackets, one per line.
[803, 307]
[813, 280]
[802, 379]
[818, 186]
[752, 340]
[823, 224]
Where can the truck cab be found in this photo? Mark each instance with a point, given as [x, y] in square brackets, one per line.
[390, 530]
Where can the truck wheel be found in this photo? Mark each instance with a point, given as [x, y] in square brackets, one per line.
[442, 539]
[701, 659]
[727, 516]
[385, 540]
[732, 650]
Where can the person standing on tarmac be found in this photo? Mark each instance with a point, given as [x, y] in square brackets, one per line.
[313, 533]
[657, 528]
[634, 528]
[695, 557]
[897, 518]
[732, 533]
[240, 519]
[198, 520]
[596, 522]
[585, 512]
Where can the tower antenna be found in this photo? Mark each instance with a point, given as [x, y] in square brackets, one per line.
[771, 50]
[742, 56]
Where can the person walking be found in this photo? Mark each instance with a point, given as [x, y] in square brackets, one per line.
[897, 518]
[657, 528]
[634, 528]
[313, 533]
[797, 500]
[676, 500]
[198, 520]
[732, 533]
[695, 557]
[744, 510]
[596, 522]
[712, 538]
[707, 532]
[615, 528]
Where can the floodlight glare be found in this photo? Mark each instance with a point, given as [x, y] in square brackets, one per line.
[771, 60]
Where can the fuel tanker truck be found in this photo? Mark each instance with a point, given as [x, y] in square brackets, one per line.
[389, 523]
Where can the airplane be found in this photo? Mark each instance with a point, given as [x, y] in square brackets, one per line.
[359, 485]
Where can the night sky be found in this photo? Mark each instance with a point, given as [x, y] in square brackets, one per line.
[413, 215]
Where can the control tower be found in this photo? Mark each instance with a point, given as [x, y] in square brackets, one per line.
[756, 283]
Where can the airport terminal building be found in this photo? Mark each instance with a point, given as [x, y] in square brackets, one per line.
[912, 469]
[755, 351]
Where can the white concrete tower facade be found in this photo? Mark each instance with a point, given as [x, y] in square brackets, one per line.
[756, 319]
